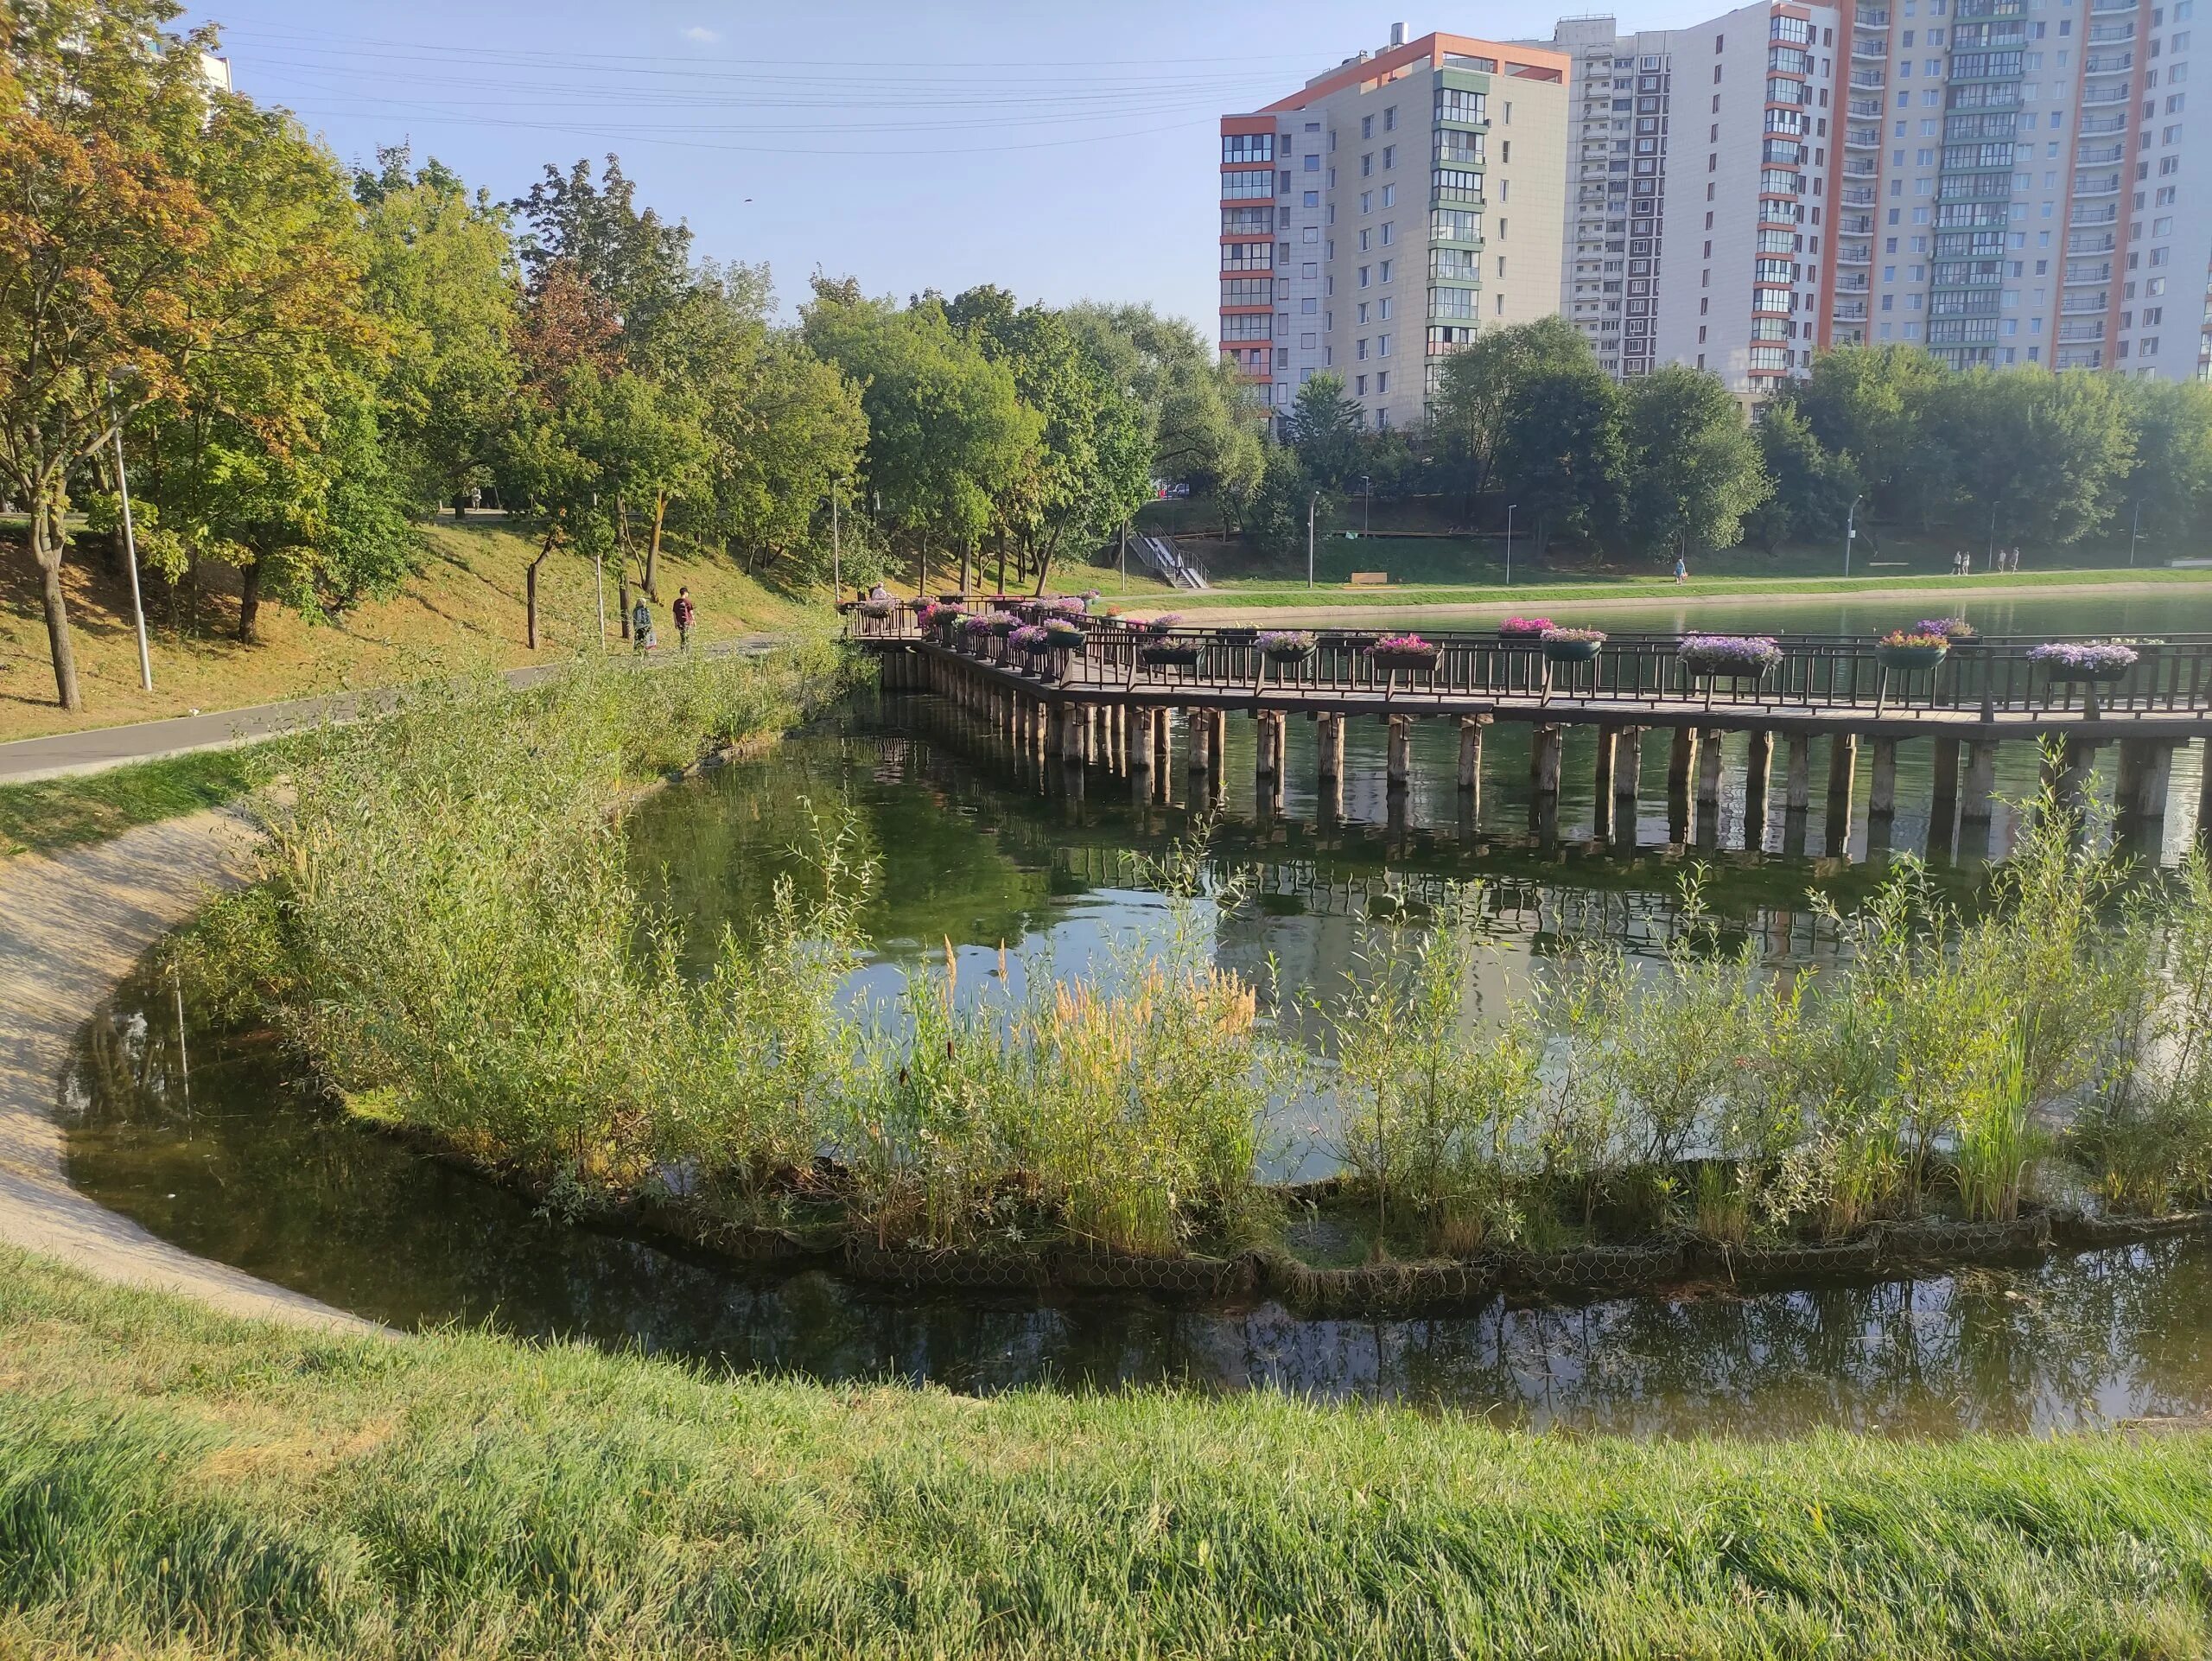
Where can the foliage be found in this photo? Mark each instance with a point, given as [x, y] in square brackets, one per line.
[1325, 428]
[1199, 418]
[1694, 468]
[1813, 487]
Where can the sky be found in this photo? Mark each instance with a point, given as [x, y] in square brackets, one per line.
[1063, 151]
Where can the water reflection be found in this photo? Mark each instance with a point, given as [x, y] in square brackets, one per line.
[245, 1170]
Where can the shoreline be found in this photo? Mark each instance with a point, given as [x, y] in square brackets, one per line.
[1339, 608]
[72, 926]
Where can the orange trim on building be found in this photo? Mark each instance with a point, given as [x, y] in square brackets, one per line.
[1514, 63]
[1839, 97]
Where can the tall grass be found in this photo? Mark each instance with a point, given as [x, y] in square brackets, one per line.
[450, 935]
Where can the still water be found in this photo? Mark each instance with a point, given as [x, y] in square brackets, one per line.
[232, 1157]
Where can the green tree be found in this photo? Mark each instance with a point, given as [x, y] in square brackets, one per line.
[1872, 403]
[1326, 428]
[636, 261]
[2167, 493]
[1561, 456]
[1201, 421]
[2033, 454]
[1275, 519]
[441, 279]
[1812, 490]
[1693, 469]
[1089, 469]
[1480, 389]
[946, 431]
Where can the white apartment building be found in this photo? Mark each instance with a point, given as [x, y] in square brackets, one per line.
[2002, 182]
[1371, 222]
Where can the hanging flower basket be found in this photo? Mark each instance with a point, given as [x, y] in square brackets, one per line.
[878, 609]
[1001, 623]
[1162, 624]
[1956, 630]
[1285, 646]
[1733, 657]
[1904, 651]
[1162, 654]
[1565, 645]
[1403, 653]
[2083, 662]
[1063, 636]
[1029, 641]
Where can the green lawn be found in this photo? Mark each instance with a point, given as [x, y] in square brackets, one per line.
[173, 1482]
[56, 813]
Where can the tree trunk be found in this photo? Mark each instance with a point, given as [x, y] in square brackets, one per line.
[622, 590]
[48, 545]
[964, 552]
[653, 548]
[250, 602]
[460, 505]
[530, 590]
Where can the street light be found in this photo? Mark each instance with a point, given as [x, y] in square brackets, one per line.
[130, 555]
[2134, 532]
[1508, 542]
[1850, 532]
[1366, 497]
[1309, 507]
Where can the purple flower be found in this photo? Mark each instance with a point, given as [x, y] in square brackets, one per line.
[1951, 628]
[1029, 638]
[1408, 644]
[1728, 654]
[1564, 635]
[1161, 624]
[1285, 643]
[2085, 657]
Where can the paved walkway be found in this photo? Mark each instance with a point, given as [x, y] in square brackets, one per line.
[98, 748]
[71, 928]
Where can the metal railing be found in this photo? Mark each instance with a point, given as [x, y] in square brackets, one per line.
[1989, 677]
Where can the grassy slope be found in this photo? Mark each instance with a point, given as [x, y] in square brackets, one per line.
[464, 608]
[171, 1480]
[56, 813]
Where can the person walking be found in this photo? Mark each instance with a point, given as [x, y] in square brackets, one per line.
[1682, 568]
[641, 626]
[683, 611]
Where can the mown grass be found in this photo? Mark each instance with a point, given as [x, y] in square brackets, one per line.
[1612, 588]
[50, 814]
[174, 1482]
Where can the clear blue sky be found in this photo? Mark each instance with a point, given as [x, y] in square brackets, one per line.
[1064, 152]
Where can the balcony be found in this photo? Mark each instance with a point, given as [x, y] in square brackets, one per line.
[2091, 271]
[2107, 34]
[1858, 167]
[2108, 63]
[2092, 244]
[2102, 7]
[1866, 109]
[2090, 359]
[2085, 215]
[1857, 284]
[2091, 156]
[1872, 78]
[1869, 47]
[2096, 126]
[2083, 330]
[2096, 184]
[1856, 225]
[1851, 311]
[1859, 196]
[1862, 138]
[1854, 253]
[2105, 94]
[2077, 304]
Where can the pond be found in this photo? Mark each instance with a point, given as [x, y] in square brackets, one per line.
[233, 1157]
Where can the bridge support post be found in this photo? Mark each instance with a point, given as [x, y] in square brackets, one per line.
[1681, 765]
[1141, 740]
[1843, 765]
[1547, 744]
[1198, 738]
[1759, 762]
[1050, 715]
[1470, 752]
[1943, 797]
[1882, 795]
[2157, 783]
[1329, 744]
[1399, 764]
[2069, 780]
[1217, 742]
[1710, 760]
[1975, 802]
[1162, 742]
[1797, 785]
[1628, 781]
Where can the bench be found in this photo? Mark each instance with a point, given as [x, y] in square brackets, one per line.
[1370, 580]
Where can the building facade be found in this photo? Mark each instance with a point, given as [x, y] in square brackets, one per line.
[1372, 221]
[2001, 181]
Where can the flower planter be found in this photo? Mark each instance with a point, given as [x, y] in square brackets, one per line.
[1726, 669]
[2086, 674]
[1910, 657]
[1157, 657]
[1280, 655]
[1410, 662]
[1571, 651]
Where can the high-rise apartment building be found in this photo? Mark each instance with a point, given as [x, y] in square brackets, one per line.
[2002, 182]
[1372, 221]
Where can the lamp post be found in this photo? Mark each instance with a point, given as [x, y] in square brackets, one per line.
[2134, 532]
[1850, 532]
[1991, 563]
[130, 556]
[1313, 503]
[1509, 508]
[1366, 501]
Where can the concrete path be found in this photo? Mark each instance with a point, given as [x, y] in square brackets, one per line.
[71, 928]
[95, 750]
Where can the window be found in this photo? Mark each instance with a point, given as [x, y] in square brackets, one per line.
[1359, 348]
[1382, 271]
[1390, 119]
[1360, 382]
[1241, 185]
[1365, 275]
[1367, 126]
[1313, 164]
[1367, 165]
[1382, 346]
[1248, 147]
[1387, 228]
[1390, 155]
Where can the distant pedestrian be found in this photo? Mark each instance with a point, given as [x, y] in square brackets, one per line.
[2014, 563]
[1682, 568]
[641, 626]
[683, 611]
